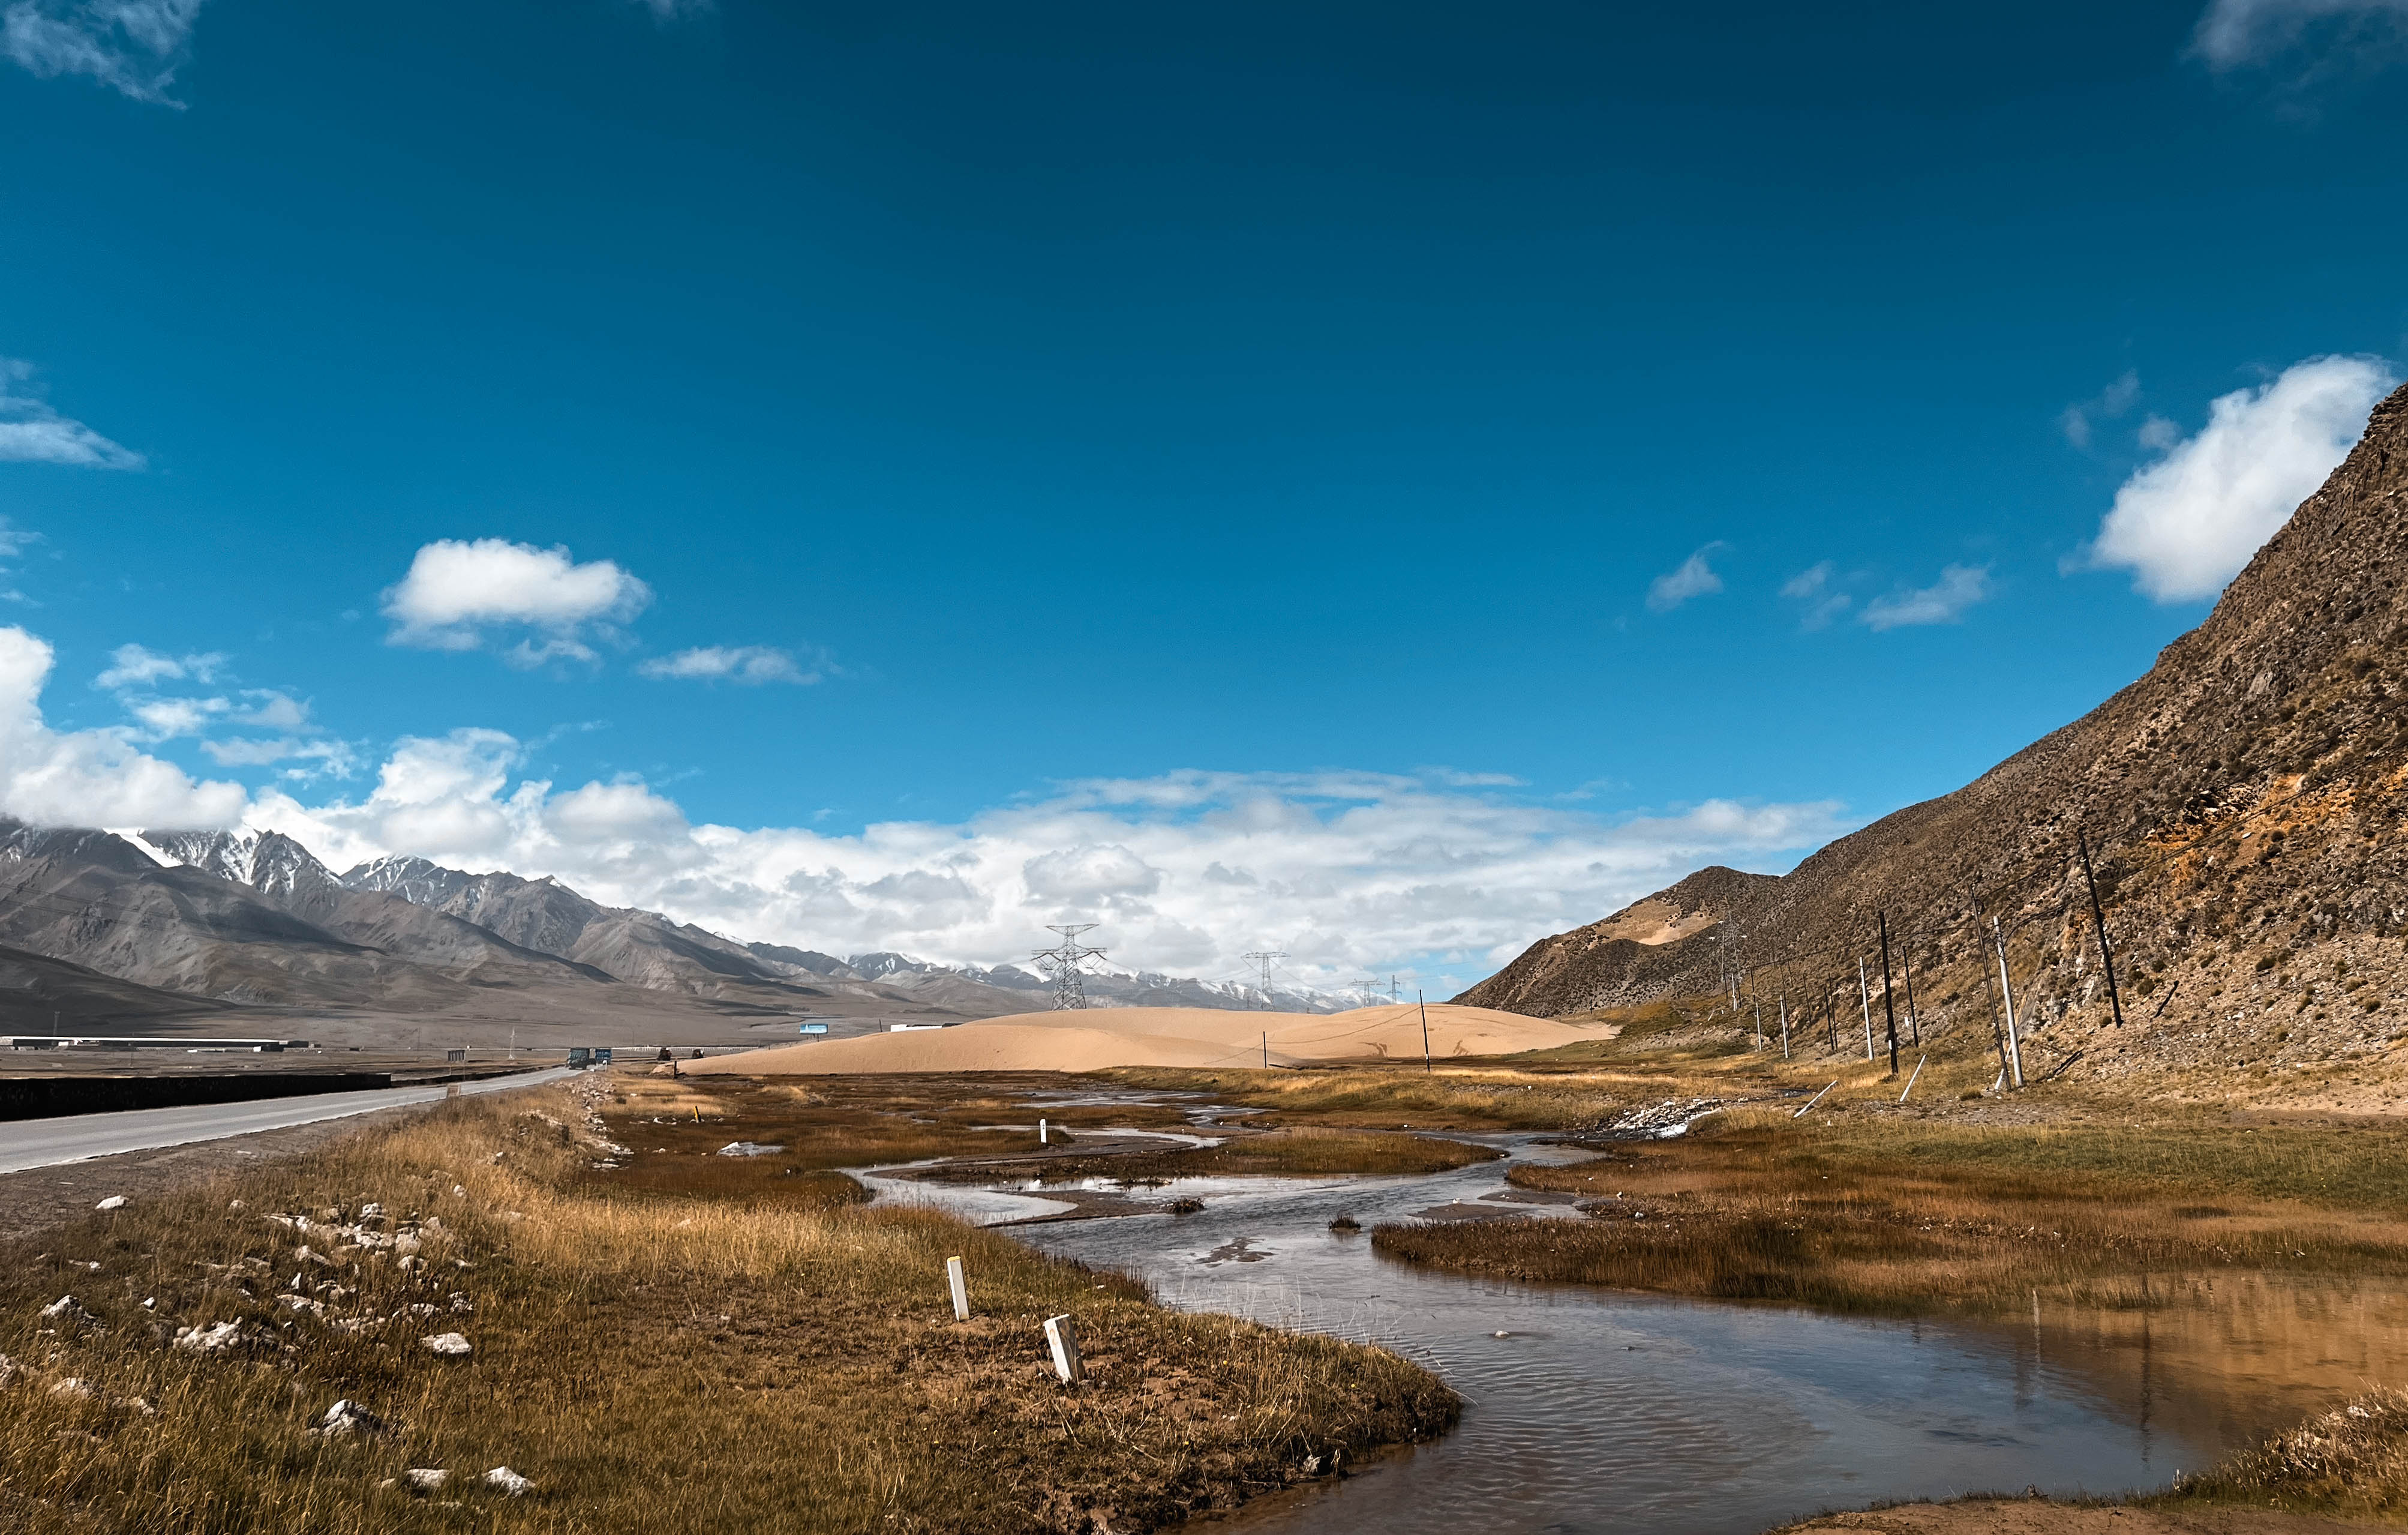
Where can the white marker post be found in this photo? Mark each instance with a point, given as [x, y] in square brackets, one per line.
[961, 1291]
[1042, 1132]
[1910, 1082]
[1062, 1333]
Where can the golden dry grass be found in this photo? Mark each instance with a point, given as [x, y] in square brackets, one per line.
[651, 1359]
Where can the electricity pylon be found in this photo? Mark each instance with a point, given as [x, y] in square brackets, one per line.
[1064, 962]
[1265, 959]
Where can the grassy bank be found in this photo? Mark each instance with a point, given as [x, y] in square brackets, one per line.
[754, 1357]
[1865, 1215]
[1514, 1093]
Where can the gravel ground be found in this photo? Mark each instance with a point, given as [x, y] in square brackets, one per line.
[39, 1197]
[2035, 1517]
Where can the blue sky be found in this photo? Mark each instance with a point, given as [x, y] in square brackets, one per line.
[1244, 439]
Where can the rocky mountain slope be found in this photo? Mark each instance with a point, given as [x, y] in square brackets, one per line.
[2243, 808]
[1563, 973]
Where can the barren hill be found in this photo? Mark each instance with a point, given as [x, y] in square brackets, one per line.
[2243, 806]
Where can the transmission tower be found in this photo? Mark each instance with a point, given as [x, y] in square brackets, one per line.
[1065, 963]
[1264, 959]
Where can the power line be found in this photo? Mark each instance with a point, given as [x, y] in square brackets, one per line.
[1063, 963]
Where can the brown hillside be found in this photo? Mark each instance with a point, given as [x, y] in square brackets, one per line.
[1565, 973]
[2243, 803]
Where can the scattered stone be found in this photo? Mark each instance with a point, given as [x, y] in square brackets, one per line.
[236, 1207]
[1186, 1205]
[426, 1478]
[64, 1309]
[71, 1388]
[115, 1202]
[139, 1405]
[347, 1418]
[210, 1340]
[371, 1212]
[7, 1369]
[510, 1481]
[450, 1344]
[459, 1191]
[461, 1304]
[749, 1148]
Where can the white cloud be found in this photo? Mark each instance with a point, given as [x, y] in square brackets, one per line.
[456, 591]
[2234, 32]
[1813, 587]
[748, 664]
[87, 778]
[673, 10]
[14, 539]
[2108, 402]
[133, 46]
[311, 757]
[1692, 578]
[1187, 870]
[1945, 601]
[134, 665]
[2186, 525]
[33, 433]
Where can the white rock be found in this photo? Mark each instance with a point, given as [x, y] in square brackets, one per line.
[508, 1481]
[370, 1212]
[347, 1417]
[449, 1343]
[236, 1207]
[72, 1388]
[427, 1479]
[115, 1202]
[210, 1340]
[64, 1306]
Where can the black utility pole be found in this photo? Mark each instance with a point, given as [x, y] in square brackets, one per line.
[1889, 1004]
[2106, 956]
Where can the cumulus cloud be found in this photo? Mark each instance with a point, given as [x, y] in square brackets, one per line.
[31, 432]
[133, 46]
[1188, 870]
[2232, 34]
[747, 663]
[459, 594]
[87, 778]
[1945, 601]
[2186, 523]
[1692, 578]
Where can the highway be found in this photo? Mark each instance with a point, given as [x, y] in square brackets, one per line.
[78, 1137]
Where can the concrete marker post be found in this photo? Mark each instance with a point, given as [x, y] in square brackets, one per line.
[961, 1291]
[1063, 1335]
[1043, 1132]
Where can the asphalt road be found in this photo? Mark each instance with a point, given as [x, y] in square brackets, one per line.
[76, 1138]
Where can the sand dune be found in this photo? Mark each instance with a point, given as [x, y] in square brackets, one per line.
[1096, 1038]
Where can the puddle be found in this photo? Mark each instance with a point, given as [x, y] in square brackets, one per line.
[1592, 1411]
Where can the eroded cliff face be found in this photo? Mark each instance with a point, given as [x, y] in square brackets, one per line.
[2243, 804]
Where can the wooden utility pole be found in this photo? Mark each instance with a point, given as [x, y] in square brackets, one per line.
[1785, 1026]
[2098, 919]
[1889, 1003]
[2014, 1050]
[1865, 1003]
[1914, 1022]
[1424, 1007]
[1759, 1023]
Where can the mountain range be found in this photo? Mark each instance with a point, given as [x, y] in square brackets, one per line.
[2238, 817]
[98, 926]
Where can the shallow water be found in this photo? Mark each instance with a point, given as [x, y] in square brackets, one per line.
[1593, 1410]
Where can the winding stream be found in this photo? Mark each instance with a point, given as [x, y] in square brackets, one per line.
[1594, 1410]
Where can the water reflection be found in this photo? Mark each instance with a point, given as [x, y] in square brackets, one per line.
[1591, 1410]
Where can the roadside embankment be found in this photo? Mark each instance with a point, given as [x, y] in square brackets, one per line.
[645, 1359]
